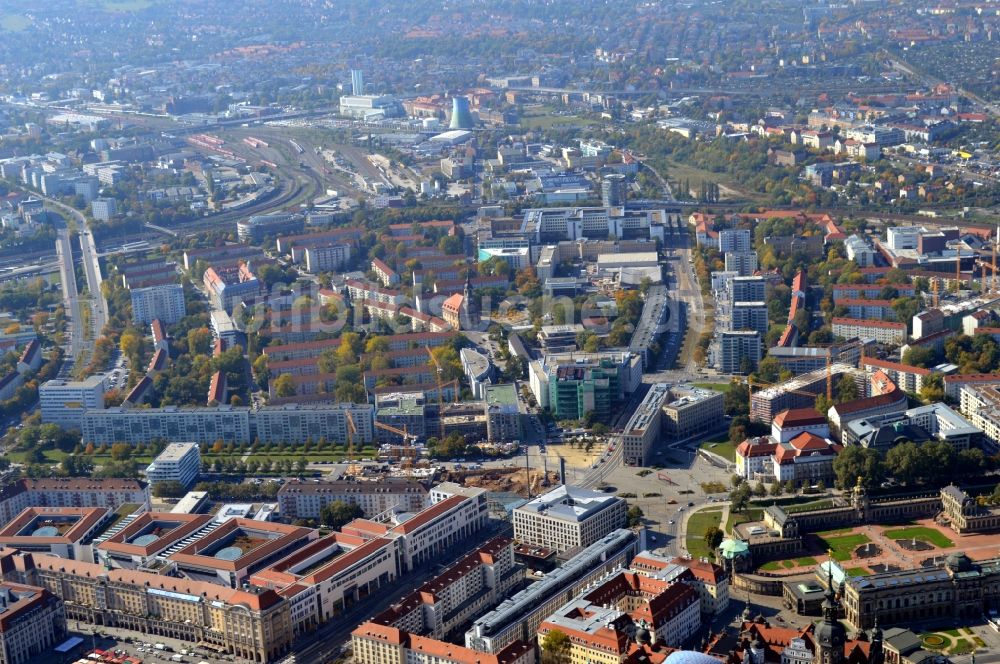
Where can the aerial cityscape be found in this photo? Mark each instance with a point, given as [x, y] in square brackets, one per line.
[499, 332]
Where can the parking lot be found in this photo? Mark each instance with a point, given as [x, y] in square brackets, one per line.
[134, 644]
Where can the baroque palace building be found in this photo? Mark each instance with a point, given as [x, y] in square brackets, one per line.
[958, 589]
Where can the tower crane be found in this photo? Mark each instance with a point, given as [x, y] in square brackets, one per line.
[352, 468]
[408, 456]
[440, 385]
[437, 365]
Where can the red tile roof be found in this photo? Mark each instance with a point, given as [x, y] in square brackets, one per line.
[797, 417]
[972, 378]
[751, 448]
[896, 366]
[865, 322]
[429, 514]
[864, 404]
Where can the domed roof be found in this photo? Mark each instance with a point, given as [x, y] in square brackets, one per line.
[958, 561]
[731, 548]
[689, 657]
[642, 636]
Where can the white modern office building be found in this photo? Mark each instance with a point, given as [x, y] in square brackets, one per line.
[179, 462]
[64, 402]
[568, 517]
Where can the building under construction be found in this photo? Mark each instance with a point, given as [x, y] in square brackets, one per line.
[801, 391]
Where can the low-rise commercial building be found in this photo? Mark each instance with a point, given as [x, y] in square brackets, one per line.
[60, 531]
[690, 411]
[568, 517]
[144, 541]
[931, 422]
[237, 548]
[254, 229]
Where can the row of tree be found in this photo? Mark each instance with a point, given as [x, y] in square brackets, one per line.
[933, 463]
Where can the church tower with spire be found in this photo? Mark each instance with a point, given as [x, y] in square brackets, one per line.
[831, 636]
[470, 308]
[876, 653]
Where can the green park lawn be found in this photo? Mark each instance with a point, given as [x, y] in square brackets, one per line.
[696, 527]
[736, 518]
[51, 456]
[842, 546]
[857, 571]
[717, 387]
[791, 563]
[820, 504]
[929, 535]
[723, 448]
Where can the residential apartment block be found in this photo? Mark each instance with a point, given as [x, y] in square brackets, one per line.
[164, 302]
[305, 499]
[882, 331]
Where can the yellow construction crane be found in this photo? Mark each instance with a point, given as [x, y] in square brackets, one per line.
[829, 380]
[437, 365]
[450, 383]
[408, 457]
[992, 288]
[403, 433]
[353, 468]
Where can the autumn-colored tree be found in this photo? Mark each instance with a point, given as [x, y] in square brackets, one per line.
[284, 386]
[121, 451]
[199, 341]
